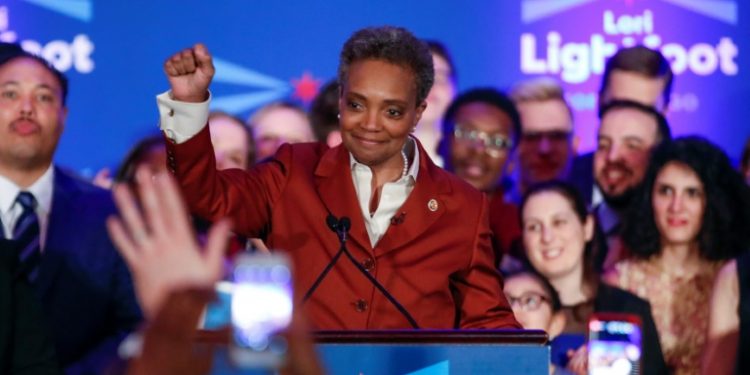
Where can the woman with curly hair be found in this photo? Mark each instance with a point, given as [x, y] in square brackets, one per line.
[690, 216]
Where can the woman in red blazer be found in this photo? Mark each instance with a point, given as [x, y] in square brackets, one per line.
[416, 230]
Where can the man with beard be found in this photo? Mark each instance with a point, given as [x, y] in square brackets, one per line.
[545, 150]
[628, 132]
[635, 73]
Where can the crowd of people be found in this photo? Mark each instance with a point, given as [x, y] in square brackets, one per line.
[442, 192]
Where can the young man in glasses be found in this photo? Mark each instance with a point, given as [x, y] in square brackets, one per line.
[546, 146]
[480, 129]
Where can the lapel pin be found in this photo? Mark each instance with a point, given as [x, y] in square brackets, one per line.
[432, 205]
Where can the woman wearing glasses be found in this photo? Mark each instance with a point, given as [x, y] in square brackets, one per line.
[535, 304]
[480, 128]
[557, 234]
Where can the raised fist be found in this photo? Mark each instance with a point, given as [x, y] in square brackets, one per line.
[189, 73]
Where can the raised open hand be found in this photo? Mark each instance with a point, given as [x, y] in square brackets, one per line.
[159, 245]
[189, 73]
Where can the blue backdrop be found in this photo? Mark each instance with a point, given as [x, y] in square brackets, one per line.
[113, 51]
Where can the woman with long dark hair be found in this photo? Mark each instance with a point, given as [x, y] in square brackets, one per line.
[690, 216]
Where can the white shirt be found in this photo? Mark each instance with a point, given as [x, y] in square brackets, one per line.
[181, 121]
[10, 211]
[392, 196]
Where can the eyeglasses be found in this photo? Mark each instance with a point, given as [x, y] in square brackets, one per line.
[494, 144]
[553, 136]
[528, 301]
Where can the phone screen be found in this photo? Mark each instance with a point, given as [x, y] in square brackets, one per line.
[614, 346]
[261, 307]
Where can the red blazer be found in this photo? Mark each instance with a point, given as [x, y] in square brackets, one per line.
[437, 263]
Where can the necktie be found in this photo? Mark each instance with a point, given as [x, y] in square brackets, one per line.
[26, 234]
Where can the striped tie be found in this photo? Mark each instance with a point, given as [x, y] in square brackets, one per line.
[26, 234]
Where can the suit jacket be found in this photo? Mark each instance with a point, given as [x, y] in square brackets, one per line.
[25, 345]
[437, 261]
[582, 175]
[84, 284]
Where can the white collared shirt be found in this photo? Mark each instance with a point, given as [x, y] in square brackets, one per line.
[10, 211]
[181, 121]
[392, 196]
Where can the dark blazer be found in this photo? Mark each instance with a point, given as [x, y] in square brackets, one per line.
[25, 345]
[436, 259]
[582, 175]
[612, 299]
[84, 284]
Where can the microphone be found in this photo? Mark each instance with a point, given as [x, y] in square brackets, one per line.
[334, 225]
[344, 224]
[341, 228]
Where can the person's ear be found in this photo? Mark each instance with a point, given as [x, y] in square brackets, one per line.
[420, 109]
[556, 324]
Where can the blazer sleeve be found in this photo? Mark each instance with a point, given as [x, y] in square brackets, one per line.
[480, 298]
[246, 197]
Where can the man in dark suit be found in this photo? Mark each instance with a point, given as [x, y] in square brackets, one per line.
[84, 285]
[420, 232]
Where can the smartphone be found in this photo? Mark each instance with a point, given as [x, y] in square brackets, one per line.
[614, 345]
[261, 308]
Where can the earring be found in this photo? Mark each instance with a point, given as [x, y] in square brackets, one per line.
[338, 115]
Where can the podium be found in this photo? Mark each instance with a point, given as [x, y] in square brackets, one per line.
[424, 352]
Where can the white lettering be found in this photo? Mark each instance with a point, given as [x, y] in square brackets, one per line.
[703, 59]
[63, 55]
[82, 49]
[575, 62]
[530, 64]
[58, 54]
[628, 24]
[600, 52]
[727, 51]
[609, 24]
[677, 56]
[553, 57]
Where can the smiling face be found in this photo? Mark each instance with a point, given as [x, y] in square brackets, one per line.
[472, 160]
[31, 114]
[378, 111]
[553, 235]
[625, 140]
[530, 301]
[679, 201]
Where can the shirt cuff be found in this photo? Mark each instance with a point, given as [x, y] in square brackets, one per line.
[180, 121]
